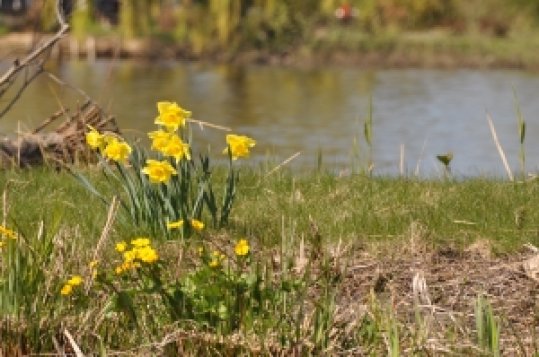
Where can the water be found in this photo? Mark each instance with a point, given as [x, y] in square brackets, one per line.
[427, 112]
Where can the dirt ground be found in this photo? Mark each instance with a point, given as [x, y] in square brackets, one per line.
[443, 285]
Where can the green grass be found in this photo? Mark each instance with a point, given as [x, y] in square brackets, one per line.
[289, 296]
[352, 208]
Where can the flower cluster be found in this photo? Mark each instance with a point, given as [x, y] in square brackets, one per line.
[140, 252]
[167, 142]
[109, 145]
[68, 287]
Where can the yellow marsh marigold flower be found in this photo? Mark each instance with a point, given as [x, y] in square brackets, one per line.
[8, 233]
[147, 254]
[160, 139]
[239, 145]
[116, 150]
[76, 280]
[175, 225]
[140, 242]
[171, 115]
[197, 225]
[176, 148]
[158, 171]
[130, 256]
[242, 247]
[66, 290]
[121, 247]
[216, 259]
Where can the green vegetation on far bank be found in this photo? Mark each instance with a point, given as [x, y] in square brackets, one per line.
[393, 32]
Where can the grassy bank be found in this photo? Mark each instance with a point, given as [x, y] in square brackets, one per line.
[329, 270]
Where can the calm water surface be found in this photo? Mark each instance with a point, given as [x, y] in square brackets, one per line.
[428, 112]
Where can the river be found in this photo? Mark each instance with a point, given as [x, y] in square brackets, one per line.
[418, 113]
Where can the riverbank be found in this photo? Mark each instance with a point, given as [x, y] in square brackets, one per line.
[396, 266]
[427, 49]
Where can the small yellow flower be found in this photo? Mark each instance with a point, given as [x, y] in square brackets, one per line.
[140, 242]
[239, 145]
[130, 256]
[76, 280]
[197, 225]
[8, 233]
[117, 150]
[159, 171]
[242, 247]
[216, 260]
[94, 139]
[93, 264]
[175, 225]
[171, 115]
[147, 255]
[121, 247]
[67, 289]
[119, 269]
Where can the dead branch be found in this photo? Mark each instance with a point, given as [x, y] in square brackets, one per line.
[32, 59]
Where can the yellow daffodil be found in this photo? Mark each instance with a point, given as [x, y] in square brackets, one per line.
[176, 148]
[175, 225]
[116, 150]
[158, 171]
[171, 115]
[160, 139]
[67, 289]
[140, 242]
[197, 225]
[242, 248]
[239, 145]
[121, 247]
[76, 280]
[95, 139]
[8, 233]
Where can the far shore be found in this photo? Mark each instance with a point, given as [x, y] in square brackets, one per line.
[426, 50]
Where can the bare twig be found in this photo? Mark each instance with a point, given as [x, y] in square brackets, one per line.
[8, 78]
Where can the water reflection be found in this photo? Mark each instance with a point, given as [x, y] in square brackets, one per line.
[289, 110]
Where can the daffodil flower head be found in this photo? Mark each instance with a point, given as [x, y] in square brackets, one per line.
[171, 115]
[238, 145]
[176, 148]
[158, 171]
[95, 139]
[116, 150]
[160, 139]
